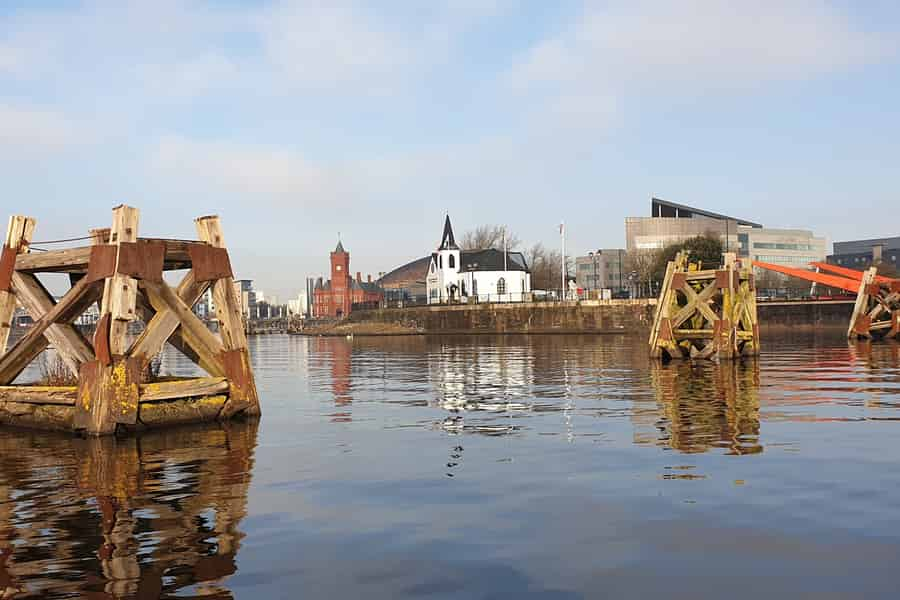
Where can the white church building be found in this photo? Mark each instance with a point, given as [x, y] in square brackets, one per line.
[488, 275]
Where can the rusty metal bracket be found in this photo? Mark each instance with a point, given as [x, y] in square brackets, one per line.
[862, 325]
[142, 260]
[722, 279]
[7, 266]
[678, 280]
[102, 263]
[209, 263]
[101, 340]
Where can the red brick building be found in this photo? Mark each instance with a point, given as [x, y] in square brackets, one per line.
[336, 297]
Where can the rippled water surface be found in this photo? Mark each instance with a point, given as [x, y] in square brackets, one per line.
[482, 467]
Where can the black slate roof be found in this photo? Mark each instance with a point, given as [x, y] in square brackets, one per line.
[491, 260]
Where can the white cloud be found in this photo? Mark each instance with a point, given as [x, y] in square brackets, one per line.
[267, 174]
[29, 132]
[692, 46]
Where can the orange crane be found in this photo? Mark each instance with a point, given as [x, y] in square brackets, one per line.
[877, 309]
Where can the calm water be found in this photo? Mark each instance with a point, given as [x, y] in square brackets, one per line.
[509, 467]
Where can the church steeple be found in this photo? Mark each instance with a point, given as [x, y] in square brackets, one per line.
[447, 240]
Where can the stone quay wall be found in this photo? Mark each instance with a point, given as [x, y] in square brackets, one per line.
[590, 316]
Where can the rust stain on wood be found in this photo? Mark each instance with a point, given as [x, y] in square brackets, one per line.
[678, 280]
[721, 279]
[242, 388]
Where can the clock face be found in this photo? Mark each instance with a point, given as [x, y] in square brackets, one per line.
[338, 267]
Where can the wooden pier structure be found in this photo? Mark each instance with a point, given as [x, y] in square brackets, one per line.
[876, 314]
[706, 314]
[124, 274]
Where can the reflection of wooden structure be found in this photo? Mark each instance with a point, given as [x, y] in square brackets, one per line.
[704, 407]
[136, 517]
[876, 313]
[124, 273]
[705, 313]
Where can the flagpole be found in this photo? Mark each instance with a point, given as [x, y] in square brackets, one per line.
[562, 235]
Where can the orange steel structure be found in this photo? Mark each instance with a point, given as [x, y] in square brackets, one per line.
[876, 313]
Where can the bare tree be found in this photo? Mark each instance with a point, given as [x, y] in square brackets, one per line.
[488, 236]
[641, 262]
[546, 267]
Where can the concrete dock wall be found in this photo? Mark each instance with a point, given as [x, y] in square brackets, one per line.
[603, 316]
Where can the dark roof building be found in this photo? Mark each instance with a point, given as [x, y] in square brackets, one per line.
[664, 208]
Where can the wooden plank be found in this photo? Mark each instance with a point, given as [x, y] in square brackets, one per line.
[183, 388]
[857, 319]
[69, 260]
[76, 260]
[165, 322]
[38, 394]
[67, 340]
[107, 396]
[82, 295]
[18, 238]
[193, 330]
[228, 309]
[120, 291]
[174, 412]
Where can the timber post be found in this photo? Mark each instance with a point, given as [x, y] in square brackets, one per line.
[124, 273]
[876, 313]
[707, 314]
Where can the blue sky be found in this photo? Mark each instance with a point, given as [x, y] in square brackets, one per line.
[296, 120]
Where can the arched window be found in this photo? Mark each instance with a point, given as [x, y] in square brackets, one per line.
[452, 262]
[501, 286]
[440, 262]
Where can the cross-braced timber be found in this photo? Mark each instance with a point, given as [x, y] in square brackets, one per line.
[707, 314]
[124, 273]
[876, 313]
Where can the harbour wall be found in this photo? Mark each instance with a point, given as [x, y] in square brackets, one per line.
[598, 316]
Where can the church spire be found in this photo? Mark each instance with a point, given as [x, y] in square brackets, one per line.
[447, 240]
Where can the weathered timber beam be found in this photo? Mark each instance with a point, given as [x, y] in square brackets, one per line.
[18, 238]
[69, 342]
[75, 260]
[69, 260]
[196, 410]
[163, 325]
[194, 331]
[82, 295]
[38, 394]
[37, 416]
[183, 388]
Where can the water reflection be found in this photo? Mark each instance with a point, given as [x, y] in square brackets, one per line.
[140, 517]
[703, 406]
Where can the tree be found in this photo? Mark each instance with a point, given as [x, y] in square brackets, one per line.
[546, 266]
[488, 236]
[639, 262]
[704, 249]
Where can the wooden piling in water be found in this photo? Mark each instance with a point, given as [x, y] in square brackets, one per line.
[876, 314]
[124, 273]
[707, 314]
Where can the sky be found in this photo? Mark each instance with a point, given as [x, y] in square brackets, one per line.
[298, 121]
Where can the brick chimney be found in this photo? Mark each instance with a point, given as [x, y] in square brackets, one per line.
[370, 277]
[359, 276]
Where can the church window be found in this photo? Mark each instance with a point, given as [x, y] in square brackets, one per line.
[452, 262]
[440, 262]
[501, 286]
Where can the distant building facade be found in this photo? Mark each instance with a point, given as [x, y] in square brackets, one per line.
[862, 254]
[602, 270]
[488, 275]
[407, 284]
[671, 223]
[336, 297]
